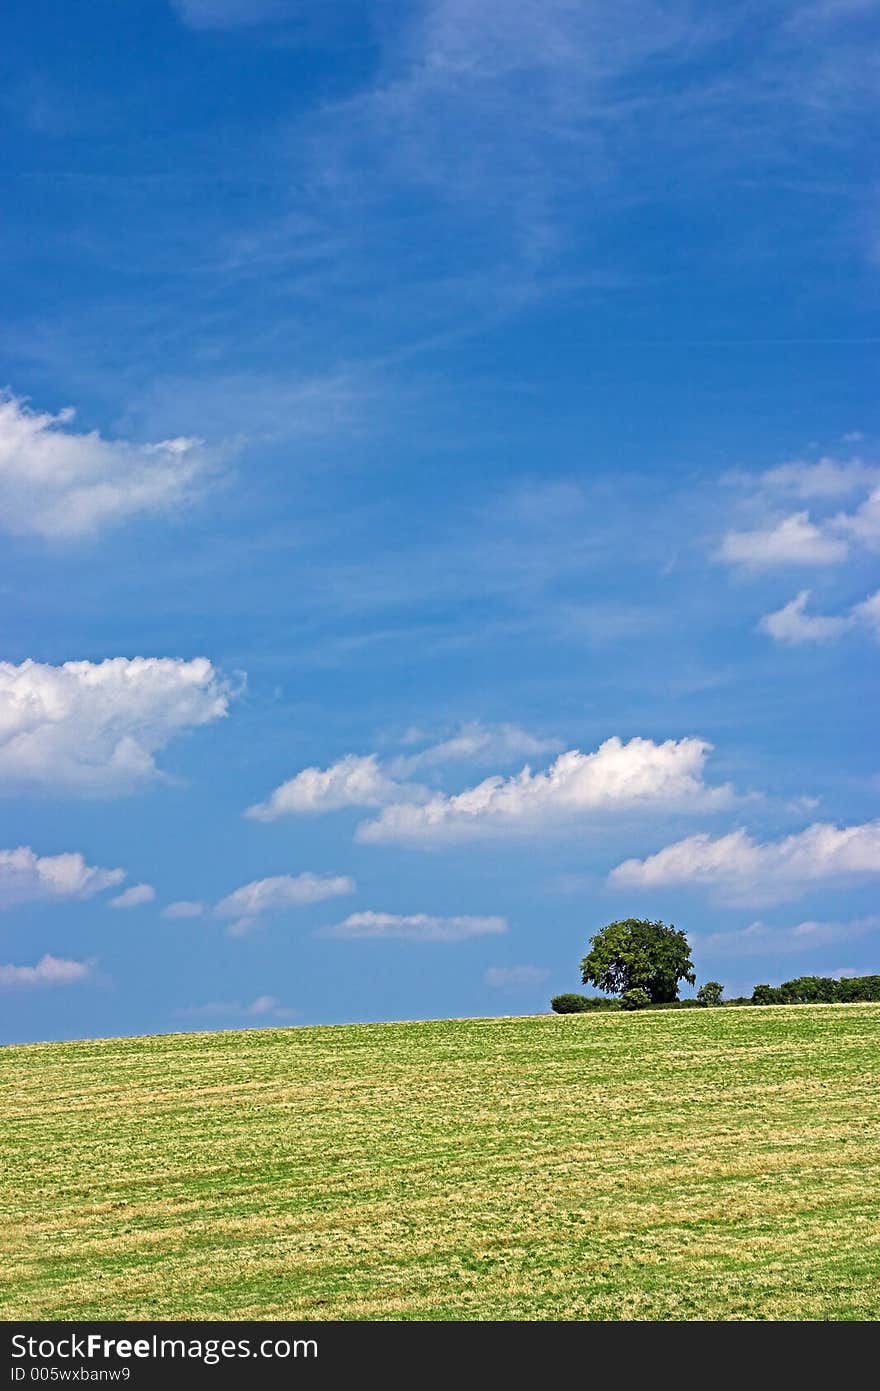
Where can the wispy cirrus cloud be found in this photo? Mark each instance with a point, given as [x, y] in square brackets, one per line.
[94, 728]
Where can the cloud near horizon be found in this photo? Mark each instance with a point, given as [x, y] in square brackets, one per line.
[49, 971]
[758, 939]
[94, 728]
[62, 485]
[746, 871]
[413, 927]
[515, 977]
[263, 1007]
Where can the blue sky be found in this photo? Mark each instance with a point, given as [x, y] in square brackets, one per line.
[440, 502]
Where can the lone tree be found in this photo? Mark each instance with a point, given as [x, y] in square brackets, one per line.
[639, 955]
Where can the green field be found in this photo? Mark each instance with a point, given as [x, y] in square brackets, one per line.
[715, 1164]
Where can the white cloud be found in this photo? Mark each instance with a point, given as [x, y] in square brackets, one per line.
[263, 1007]
[868, 611]
[49, 970]
[513, 977]
[792, 624]
[59, 484]
[184, 908]
[793, 541]
[413, 927]
[26, 877]
[249, 903]
[354, 781]
[361, 780]
[94, 727]
[617, 776]
[743, 870]
[135, 897]
[475, 742]
[829, 478]
[863, 525]
[758, 939]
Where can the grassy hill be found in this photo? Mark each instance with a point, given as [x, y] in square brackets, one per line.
[696, 1164]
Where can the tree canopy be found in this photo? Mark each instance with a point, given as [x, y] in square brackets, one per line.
[636, 954]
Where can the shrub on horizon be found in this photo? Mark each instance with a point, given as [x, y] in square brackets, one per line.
[635, 998]
[581, 1004]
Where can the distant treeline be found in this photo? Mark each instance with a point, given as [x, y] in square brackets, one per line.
[804, 990]
[818, 990]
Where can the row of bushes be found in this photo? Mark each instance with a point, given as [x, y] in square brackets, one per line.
[630, 999]
[805, 990]
[581, 1004]
[819, 990]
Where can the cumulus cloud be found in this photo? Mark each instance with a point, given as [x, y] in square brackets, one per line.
[26, 877]
[263, 1007]
[60, 484]
[49, 971]
[282, 891]
[793, 541]
[744, 870]
[355, 781]
[618, 776]
[135, 897]
[793, 625]
[413, 927]
[515, 977]
[361, 780]
[184, 908]
[95, 727]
